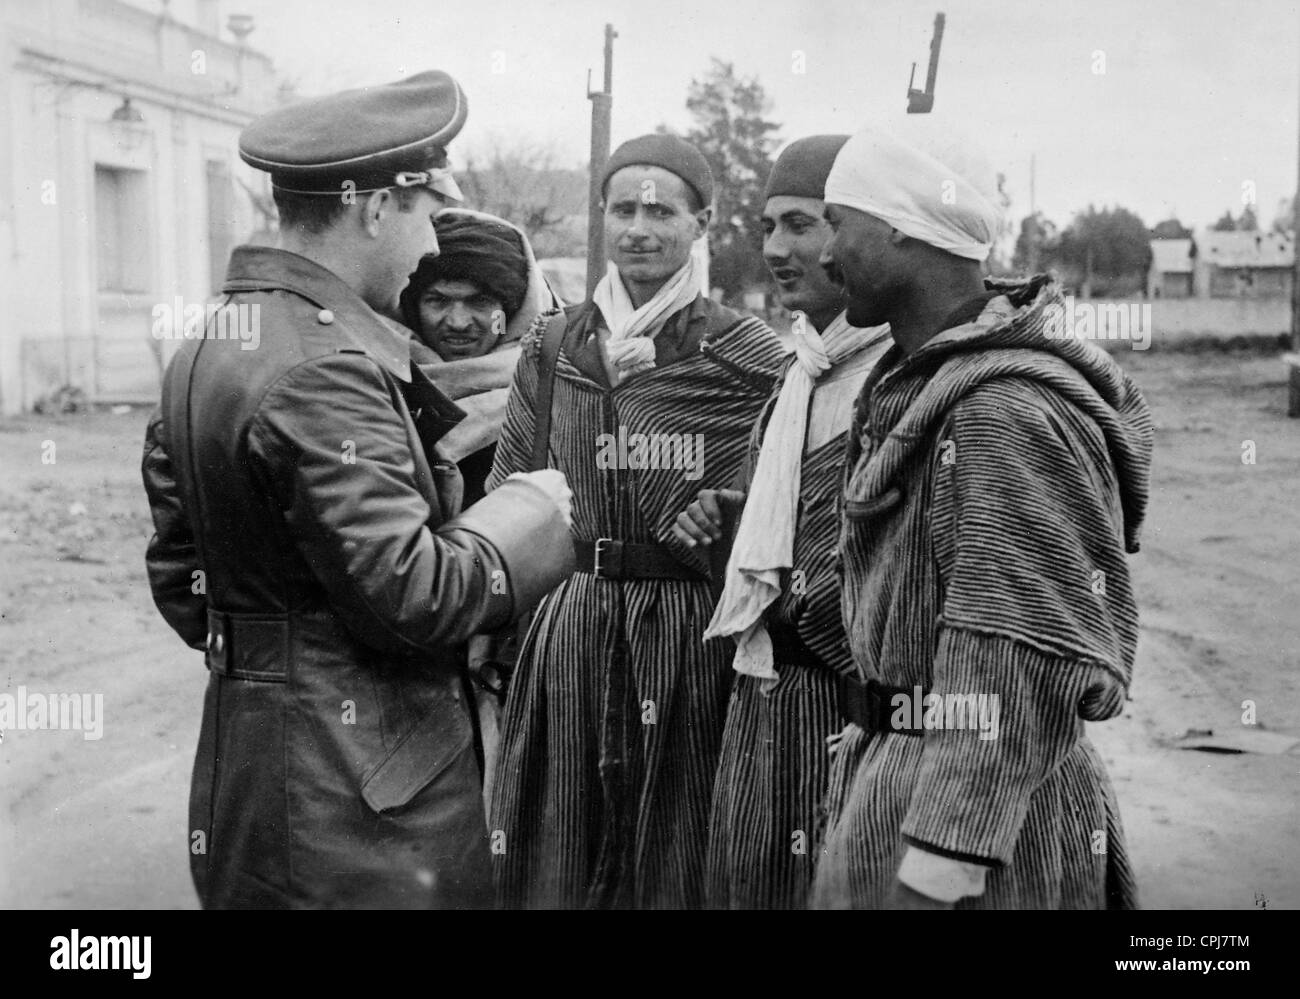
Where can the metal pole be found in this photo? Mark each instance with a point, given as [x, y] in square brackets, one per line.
[602, 103]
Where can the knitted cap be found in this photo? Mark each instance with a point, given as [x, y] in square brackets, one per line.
[675, 155]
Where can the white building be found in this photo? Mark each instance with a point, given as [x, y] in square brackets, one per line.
[121, 186]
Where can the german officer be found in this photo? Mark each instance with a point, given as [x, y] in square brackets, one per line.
[309, 537]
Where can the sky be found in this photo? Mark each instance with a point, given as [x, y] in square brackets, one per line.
[1186, 108]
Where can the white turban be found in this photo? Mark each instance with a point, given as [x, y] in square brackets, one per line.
[925, 181]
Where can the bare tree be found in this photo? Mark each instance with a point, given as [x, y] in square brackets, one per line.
[522, 184]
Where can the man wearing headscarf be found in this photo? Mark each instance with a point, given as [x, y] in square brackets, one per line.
[996, 476]
[781, 601]
[615, 714]
[468, 305]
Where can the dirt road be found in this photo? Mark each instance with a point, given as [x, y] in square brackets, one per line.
[101, 822]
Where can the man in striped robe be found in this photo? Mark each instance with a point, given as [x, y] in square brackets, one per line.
[781, 601]
[614, 718]
[996, 476]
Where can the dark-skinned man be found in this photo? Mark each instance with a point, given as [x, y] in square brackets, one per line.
[308, 536]
[996, 477]
[614, 718]
[781, 601]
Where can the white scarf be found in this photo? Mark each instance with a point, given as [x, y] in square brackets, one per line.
[764, 542]
[629, 346]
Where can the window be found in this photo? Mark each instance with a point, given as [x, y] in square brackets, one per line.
[122, 229]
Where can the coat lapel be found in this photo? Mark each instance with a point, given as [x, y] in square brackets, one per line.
[431, 415]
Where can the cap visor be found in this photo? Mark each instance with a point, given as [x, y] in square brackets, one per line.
[448, 188]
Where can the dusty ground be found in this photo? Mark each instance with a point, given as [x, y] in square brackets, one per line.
[102, 823]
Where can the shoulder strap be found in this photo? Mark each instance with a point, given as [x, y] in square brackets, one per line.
[551, 340]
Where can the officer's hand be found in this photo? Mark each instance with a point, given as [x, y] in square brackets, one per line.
[704, 521]
[556, 486]
[903, 897]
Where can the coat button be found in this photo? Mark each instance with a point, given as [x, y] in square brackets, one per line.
[212, 640]
[220, 643]
[325, 317]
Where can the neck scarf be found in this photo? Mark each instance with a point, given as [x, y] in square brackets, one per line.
[628, 348]
[764, 542]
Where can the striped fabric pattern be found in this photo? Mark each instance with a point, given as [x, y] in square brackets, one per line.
[772, 773]
[994, 482]
[611, 731]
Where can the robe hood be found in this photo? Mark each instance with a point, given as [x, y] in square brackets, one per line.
[1010, 339]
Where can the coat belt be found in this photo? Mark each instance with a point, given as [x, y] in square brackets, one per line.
[789, 648]
[609, 558]
[869, 705]
[249, 646]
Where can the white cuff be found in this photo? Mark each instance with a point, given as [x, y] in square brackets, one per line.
[941, 878]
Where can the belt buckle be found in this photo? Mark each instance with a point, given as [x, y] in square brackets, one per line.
[218, 646]
[599, 559]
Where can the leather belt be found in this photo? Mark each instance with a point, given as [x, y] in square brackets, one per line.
[609, 558]
[248, 647]
[789, 649]
[870, 706]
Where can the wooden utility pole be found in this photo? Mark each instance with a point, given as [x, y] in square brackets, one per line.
[1035, 234]
[1293, 359]
[1295, 249]
[602, 102]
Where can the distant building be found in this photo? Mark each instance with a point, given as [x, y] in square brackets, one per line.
[1245, 264]
[1172, 268]
[121, 187]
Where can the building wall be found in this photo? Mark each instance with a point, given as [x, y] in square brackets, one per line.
[1175, 320]
[1249, 282]
[1173, 285]
[65, 67]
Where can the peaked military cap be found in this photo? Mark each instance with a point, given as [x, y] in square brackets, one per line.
[363, 140]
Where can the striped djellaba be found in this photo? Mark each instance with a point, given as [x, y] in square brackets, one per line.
[767, 799]
[995, 479]
[772, 772]
[614, 718]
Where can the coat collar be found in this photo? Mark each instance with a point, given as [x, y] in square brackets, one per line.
[355, 325]
[434, 413]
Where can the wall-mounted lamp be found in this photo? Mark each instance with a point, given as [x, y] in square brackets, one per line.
[127, 124]
[126, 114]
[241, 26]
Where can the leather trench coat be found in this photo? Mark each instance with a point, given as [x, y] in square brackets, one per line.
[309, 540]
